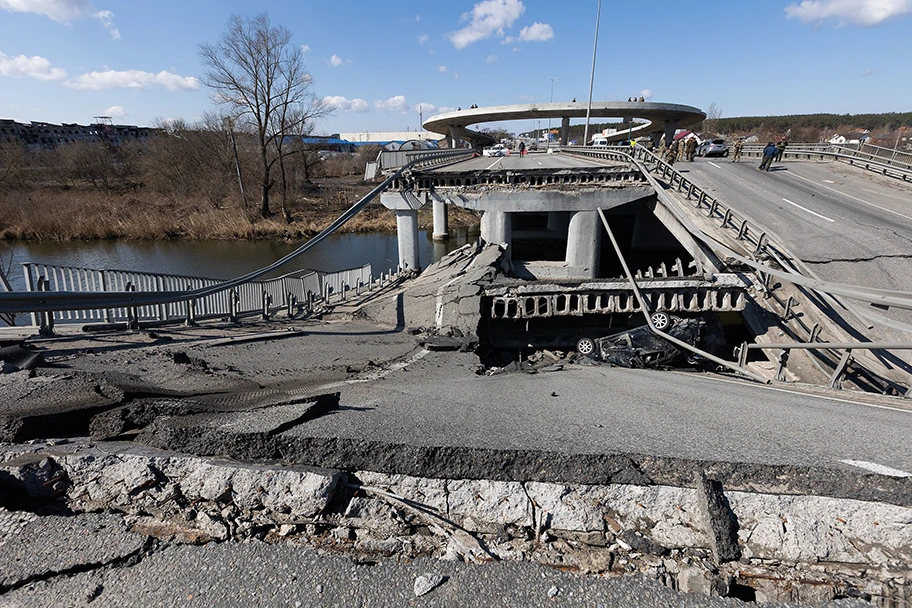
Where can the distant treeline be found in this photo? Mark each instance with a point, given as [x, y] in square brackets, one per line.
[745, 124]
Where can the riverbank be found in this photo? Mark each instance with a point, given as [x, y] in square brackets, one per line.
[86, 213]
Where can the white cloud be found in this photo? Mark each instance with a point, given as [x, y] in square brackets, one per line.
[107, 22]
[114, 111]
[863, 13]
[36, 67]
[537, 32]
[443, 69]
[646, 94]
[349, 105]
[490, 58]
[869, 72]
[335, 61]
[486, 19]
[393, 104]
[527, 98]
[305, 49]
[132, 79]
[63, 11]
[429, 109]
[422, 38]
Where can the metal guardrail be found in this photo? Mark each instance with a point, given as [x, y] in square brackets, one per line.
[820, 293]
[886, 161]
[302, 290]
[46, 301]
[392, 160]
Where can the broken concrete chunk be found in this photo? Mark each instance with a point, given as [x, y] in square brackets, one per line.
[427, 582]
[721, 523]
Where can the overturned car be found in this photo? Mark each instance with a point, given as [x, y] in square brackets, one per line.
[639, 347]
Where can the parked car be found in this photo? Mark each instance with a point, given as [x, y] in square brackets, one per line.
[639, 347]
[713, 147]
[496, 150]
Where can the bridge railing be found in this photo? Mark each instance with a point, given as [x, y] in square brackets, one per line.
[392, 160]
[301, 289]
[874, 158]
[818, 293]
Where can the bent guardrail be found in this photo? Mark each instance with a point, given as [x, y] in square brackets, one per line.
[53, 301]
[301, 290]
[893, 163]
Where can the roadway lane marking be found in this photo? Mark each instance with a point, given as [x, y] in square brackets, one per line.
[808, 210]
[714, 164]
[492, 164]
[785, 390]
[854, 198]
[877, 468]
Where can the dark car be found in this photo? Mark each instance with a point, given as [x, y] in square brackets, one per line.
[713, 147]
[639, 347]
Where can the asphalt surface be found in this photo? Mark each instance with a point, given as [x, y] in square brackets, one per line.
[852, 226]
[438, 400]
[532, 160]
[258, 574]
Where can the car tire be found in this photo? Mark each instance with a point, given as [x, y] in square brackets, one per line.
[725, 153]
[586, 347]
[660, 320]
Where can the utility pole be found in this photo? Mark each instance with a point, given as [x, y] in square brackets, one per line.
[549, 118]
[592, 76]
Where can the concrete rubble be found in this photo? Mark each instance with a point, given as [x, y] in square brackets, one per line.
[836, 547]
[153, 447]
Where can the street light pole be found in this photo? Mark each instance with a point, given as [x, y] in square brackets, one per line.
[549, 118]
[592, 76]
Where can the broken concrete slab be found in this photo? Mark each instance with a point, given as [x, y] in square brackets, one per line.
[37, 548]
[721, 523]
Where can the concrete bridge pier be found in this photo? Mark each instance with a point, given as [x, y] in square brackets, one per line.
[406, 206]
[670, 127]
[497, 227]
[454, 138]
[565, 131]
[584, 240]
[441, 219]
[407, 235]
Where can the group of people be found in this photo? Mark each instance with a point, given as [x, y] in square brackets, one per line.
[678, 150]
[635, 99]
[772, 151]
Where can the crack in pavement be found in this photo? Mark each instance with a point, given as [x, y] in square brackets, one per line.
[902, 256]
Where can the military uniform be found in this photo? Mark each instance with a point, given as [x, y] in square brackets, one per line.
[780, 148]
[691, 149]
[739, 145]
[672, 154]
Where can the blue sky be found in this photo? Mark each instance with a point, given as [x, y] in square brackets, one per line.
[379, 62]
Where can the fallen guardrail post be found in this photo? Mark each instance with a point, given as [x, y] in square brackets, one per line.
[132, 311]
[46, 327]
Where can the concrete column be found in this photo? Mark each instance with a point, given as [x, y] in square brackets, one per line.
[407, 235]
[584, 241]
[454, 139]
[497, 227]
[670, 127]
[565, 131]
[557, 221]
[441, 221]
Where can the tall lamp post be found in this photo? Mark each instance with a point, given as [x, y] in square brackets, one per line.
[592, 76]
[549, 118]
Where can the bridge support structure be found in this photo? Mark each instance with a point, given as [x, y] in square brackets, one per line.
[565, 131]
[584, 243]
[441, 219]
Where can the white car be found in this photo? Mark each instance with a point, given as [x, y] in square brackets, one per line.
[496, 150]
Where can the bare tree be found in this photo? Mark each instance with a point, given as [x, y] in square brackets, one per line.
[713, 114]
[260, 78]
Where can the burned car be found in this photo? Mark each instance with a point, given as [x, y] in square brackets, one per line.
[639, 347]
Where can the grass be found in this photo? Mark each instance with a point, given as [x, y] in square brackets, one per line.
[86, 213]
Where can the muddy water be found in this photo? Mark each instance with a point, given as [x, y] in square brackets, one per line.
[223, 259]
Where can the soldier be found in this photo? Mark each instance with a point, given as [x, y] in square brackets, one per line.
[739, 145]
[672, 154]
[681, 153]
[662, 147]
[691, 149]
[780, 148]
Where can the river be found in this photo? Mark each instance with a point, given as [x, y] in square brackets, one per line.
[223, 259]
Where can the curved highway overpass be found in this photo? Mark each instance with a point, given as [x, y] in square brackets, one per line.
[663, 118]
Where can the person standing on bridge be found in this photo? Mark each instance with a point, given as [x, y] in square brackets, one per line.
[769, 153]
[780, 148]
[739, 146]
[522, 149]
[672, 154]
[691, 149]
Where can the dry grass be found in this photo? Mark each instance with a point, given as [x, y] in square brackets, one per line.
[54, 214]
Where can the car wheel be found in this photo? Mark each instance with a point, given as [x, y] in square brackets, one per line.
[586, 347]
[725, 153]
[660, 320]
